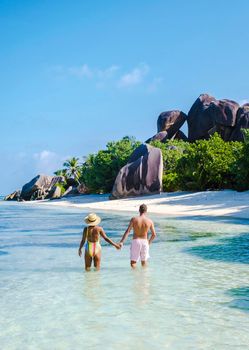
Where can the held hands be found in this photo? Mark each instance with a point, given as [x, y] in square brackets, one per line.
[119, 245]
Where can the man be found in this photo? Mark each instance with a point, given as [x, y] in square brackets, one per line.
[141, 225]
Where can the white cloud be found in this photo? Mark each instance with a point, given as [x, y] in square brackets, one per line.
[24, 166]
[84, 71]
[112, 76]
[153, 86]
[108, 72]
[46, 162]
[81, 71]
[134, 77]
[105, 76]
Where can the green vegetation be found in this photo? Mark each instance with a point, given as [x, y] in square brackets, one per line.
[62, 186]
[61, 172]
[206, 164]
[72, 168]
[99, 170]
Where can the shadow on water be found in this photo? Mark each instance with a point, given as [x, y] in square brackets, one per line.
[42, 245]
[186, 237]
[241, 298]
[233, 249]
[3, 252]
[207, 218]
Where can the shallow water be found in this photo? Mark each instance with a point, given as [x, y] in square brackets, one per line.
[193, 295]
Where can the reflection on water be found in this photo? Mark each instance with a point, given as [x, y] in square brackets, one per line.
[193, 295]
[141, 286]
[91, 288]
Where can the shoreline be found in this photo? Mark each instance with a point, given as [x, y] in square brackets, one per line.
[226, 203]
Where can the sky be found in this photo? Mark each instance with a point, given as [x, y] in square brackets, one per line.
[77, 74]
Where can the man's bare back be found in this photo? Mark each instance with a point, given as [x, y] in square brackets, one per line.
[141, 226]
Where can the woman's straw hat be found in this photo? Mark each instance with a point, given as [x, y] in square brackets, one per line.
[92, 219]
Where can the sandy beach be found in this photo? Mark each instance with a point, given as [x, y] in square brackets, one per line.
[208, 203]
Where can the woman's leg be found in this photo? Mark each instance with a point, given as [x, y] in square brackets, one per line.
[133, 264]
[88, 261]
[97, 260]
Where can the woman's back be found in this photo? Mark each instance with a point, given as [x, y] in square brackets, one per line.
[93, 233]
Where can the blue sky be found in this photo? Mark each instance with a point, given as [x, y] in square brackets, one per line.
[77, 74]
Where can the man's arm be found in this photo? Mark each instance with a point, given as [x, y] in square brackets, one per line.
[126, 234]
[107, 239]
[82, 242]
[153, 233]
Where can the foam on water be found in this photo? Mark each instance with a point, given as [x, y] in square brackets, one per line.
[193, 295]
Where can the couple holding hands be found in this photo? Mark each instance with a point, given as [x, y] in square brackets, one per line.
[139, 250]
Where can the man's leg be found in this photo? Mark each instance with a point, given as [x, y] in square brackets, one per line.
[144, 255]
[134, 252]
[97, 260]
[144, 263]
[88, 261]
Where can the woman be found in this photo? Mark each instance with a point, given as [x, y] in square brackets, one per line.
[91, 235]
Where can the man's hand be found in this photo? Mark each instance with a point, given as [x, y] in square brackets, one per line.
[118, 246]
[153, 233]
[80, 252]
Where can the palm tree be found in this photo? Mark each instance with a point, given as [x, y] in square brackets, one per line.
[72, 168]
[61, 172]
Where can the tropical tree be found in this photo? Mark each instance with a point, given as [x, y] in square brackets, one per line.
[61, 172]
[72, 168]
[99, 170]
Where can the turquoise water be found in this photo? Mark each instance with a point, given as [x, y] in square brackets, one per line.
[193, 295]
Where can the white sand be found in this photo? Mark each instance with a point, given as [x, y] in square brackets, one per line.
[209, 203]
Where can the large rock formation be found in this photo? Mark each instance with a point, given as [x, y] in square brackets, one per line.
[160, 136]
[14, 196]
[54, 193]
[71, 182]
[242, 122]
[71, 191]
[171, 122]
[200, 120]
[180, 136]
[141, 175]
[224, 113]
[39, 187]
[208, 115]
[168, 126]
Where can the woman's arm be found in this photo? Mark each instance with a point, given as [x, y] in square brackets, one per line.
[82, 241]
[107, 239]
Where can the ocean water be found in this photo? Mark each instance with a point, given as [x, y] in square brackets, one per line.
[193, 295]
